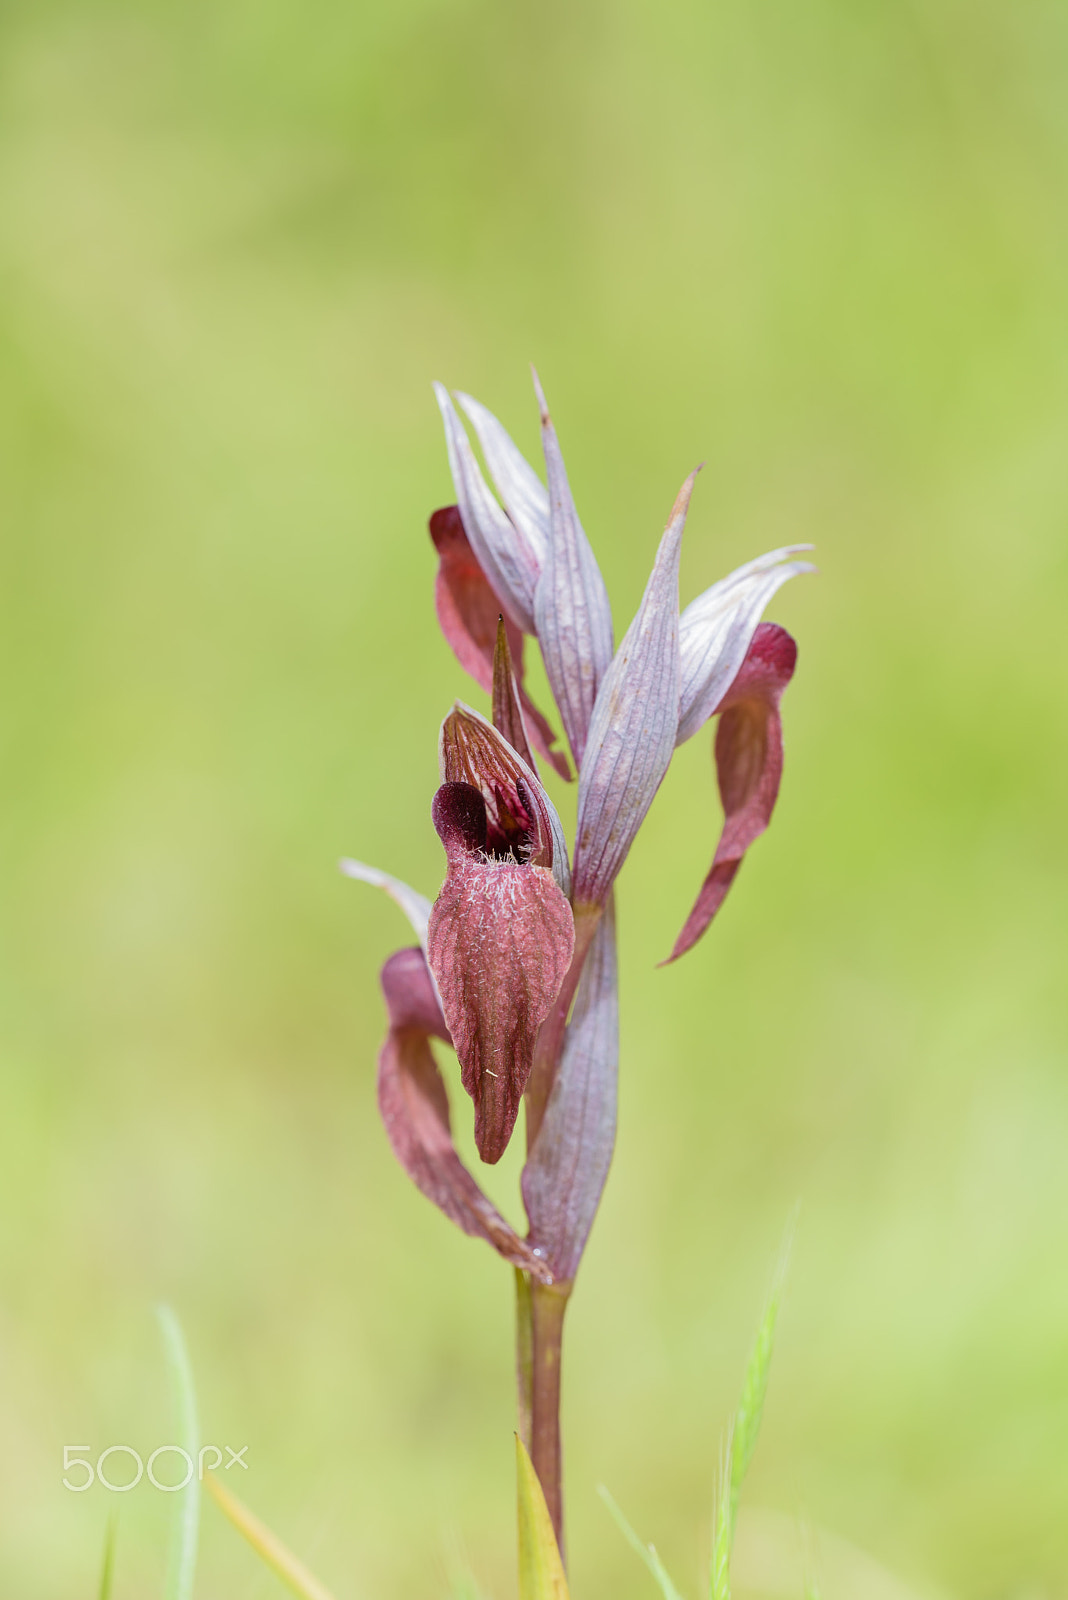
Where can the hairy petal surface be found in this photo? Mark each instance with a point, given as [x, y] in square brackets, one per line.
[500, 942]
[519, 811]
[503, 550]
[566, 1171]
[632, 734]
[415, 1111]
[748, 765]
[469, 613]
[525, 497]
[716, 629]
[571, 610]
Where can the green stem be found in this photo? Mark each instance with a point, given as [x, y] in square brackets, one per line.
[548, 1302]
[524, 1354]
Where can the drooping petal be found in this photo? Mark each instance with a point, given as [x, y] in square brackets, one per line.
[416, 906]
[468, 611]
[571, 609]
[411, 999]
[715, 631]
[748, 765]
[566, 1170]
[415, 1111]
[473, 751]
[503, 550]
[525, 497]
[632, 735]
[499, 943]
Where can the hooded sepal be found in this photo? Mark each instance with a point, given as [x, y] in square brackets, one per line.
[748, 765]
[566, 1170]
[499, 943]
[415, 1111]
[632, 735]
[468, 610]
[571, 608]
[521, 490]
[504, 552]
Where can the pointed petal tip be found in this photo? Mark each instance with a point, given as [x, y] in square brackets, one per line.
[682, 499]
[349, 867]
[543, 404]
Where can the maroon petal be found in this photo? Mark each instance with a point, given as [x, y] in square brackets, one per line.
[749, 767]
[507, 711]
[468, 611]
[415, 1111]
[499, 943]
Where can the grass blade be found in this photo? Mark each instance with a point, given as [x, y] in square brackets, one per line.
[187, 1512]
[280, 1560]
[541, 1571]
[741, 1441]
[647, 1552]
[107, 1571]
[723, 1530]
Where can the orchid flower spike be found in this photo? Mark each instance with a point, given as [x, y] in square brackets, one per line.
[516, 961]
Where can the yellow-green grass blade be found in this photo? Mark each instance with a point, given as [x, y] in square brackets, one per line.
[280, 1560]
[107, 1571]
[648, 1552]
[723, 1530]
[182, 1568]
[745, 1426]
[541, 1571]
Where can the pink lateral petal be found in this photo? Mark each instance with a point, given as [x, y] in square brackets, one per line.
[749, 767]
[415, 1111]
[468, 611]
[500, 942]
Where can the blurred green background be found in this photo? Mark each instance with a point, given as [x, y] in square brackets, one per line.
[822, 246]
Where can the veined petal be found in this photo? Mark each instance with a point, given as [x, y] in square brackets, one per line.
[715, 631]
[499, 944]
[748, 765]
[566, 1171]
[502, 549]
[632, 734]
[471, 750]
[469, 611]
[416, 906]
[415, 1111]
[525, 497]
[571, 609]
